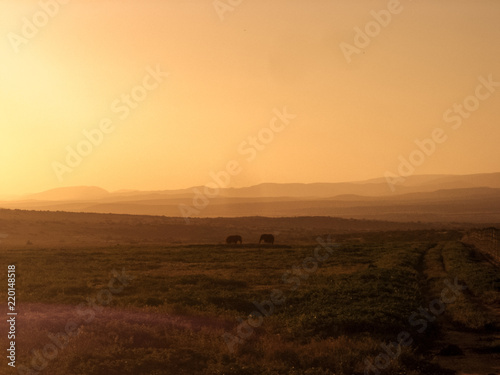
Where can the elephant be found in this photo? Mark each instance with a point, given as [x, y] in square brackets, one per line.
[267, 238]
[234, 239]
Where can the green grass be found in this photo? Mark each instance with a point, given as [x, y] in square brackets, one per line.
[171, 317]
[450, 260]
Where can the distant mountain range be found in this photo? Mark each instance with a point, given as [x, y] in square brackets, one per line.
[461, 198]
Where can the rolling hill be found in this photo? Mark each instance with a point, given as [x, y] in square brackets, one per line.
[467, 198]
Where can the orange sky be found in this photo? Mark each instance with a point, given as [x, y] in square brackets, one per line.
[225, 77]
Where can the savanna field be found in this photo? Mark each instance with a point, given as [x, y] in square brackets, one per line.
[337, 304]
[229, 187]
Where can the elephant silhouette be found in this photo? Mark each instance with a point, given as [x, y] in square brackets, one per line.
[234, 239]
[267, 238]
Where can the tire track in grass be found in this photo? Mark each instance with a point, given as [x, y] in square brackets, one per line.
[466, 351]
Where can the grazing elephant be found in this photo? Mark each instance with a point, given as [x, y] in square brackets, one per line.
[267, 238]
[234, 239]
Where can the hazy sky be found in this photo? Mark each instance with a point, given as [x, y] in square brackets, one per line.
[71, 67]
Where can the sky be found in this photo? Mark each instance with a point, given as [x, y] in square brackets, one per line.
[155, 95]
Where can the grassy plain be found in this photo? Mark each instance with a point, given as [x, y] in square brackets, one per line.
[184, 309]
